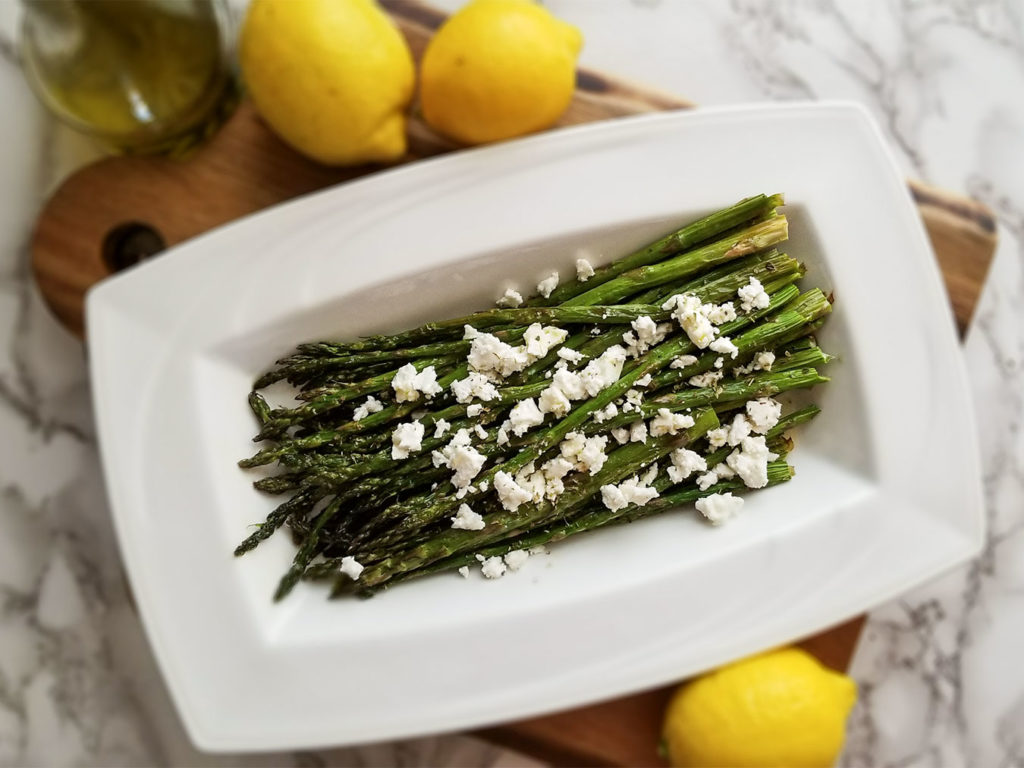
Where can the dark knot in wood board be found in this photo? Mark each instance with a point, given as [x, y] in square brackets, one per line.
[127, 244]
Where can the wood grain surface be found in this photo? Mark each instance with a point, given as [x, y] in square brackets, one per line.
[120, 210]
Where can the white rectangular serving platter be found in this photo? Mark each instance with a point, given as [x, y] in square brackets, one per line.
[878, 505]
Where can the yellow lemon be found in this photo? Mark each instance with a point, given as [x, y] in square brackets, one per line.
[781, 708]
[498, 69]
[331, 77]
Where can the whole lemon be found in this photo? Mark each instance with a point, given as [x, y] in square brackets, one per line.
[331, 77]
[780, 708]
[498, 69]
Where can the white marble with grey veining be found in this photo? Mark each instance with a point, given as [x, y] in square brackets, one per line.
[939, 669]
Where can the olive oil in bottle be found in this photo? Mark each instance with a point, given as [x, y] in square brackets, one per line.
[141, 75]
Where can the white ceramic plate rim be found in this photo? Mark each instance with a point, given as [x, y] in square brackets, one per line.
[145, 329]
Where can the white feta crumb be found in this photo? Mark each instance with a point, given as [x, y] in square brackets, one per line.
[683, 361]
[750, 462]
[634, 397]
[490, 355]
[571, 355]
[762, 361]
[650, 475]
[433, 486]
[690, 313]
[509, 492]
[474, 410]
[525, 414]
[459, 455]
[541, 339]
[684, 464]
[603, 371]
[610, 411]
[644, 381]
[723, 345]
[718, 437]
[707, 379]
[409, 383]
[511, 299]
[638, 432]
[469, 333]
[405, 439]
[483, 486]
[763, 414]
[596, 330]
[547, 374]
[584, 270]
[502, 437]
[752, 296]
[547, 285]
[516, 559]
[372, 405]
[464, 571]
[621, 435]
[475, 386]
[719, 507]
[553, 400]
[719, 362]
[351, 567]
[587, 453]
[738, 430]
[631, 491]
[493, 567]
[480, 431]
[440, 427]
[720, 313]
[468, 520]
[668, 423]
[461, 493]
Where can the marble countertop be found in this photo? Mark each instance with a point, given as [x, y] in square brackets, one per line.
[939, 669]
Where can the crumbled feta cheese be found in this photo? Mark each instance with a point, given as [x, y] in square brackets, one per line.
[440, 427]
[464, 571]
[570, 355]
[516, 559]
[718, 437]
[493, 567]
[462, 457]
[763, 413]
[502, 436]
[461, 493]
[706, 480]
[723, 345]
[483, 486]
[610, 411]
[707, 379]
[469, 333]
[405, 439]
[587, 453]
[638, 432]
[650, 475]
[480, 431]
[553, 400]
[684, 463]
[668, 423]
[621, 435]
[584, 270]
[719, 507]
[409, 383]
[689, 313]
[351, 567]
[475, 386]
[372, 405]
[752, 296]
[468, 520]
[645, 334]
[509, 492]
[511, 298]
[631, 491]
[525, 414]
[596, 331]
[750, 462]
[489, 354]
[570, 384]
[474, 410]
[724, 472]
[720, 313]
[634, 397]
[603, 371]
[683, 361]
[541, 339]
[738, 430]
[719, 362]
[547, 285]
[762, 361]
[644, 381]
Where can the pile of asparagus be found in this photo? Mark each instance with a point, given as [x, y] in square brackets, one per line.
[349, 499]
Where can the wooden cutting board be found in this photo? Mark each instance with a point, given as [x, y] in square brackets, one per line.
[119, 210]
